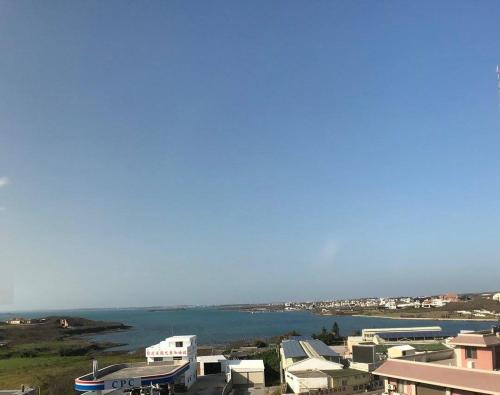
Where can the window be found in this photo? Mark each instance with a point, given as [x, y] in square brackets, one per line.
[177, 358]
[402, 386]
[157, 359]
[470, 353]
[344, 382]
[425, 389]
[178, 344]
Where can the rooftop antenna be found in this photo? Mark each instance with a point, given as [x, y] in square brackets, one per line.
[95, 368]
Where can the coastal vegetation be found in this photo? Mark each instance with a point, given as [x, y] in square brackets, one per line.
[36, 354]
[271, 365]
[329, 337]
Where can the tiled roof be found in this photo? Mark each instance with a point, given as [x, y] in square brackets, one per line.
[475, 380]
[478, 340]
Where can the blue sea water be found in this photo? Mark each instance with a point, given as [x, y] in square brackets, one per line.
[215, 326]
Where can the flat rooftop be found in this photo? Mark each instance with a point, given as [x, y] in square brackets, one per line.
[345, 372]
[309, 374]
[139, 370]
[403, 329]
[210, 358]
[236, 364]
[180, 337]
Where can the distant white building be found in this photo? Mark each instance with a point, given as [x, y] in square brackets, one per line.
[438, 302]
[18, 321]
[177, 348]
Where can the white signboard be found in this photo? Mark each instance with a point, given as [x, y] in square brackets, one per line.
[165, 353]
[122, 383]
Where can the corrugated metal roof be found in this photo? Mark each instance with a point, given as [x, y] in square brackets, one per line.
[322, 349]
[292, 349]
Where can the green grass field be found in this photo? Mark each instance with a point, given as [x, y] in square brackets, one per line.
[54, 374]
[50, 357]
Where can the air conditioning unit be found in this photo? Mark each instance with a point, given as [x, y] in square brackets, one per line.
[471, 364]
[391, 387]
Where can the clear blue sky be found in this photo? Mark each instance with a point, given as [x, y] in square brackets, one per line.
[168, 152]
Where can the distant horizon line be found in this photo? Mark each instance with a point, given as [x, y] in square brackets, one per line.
[30, 310]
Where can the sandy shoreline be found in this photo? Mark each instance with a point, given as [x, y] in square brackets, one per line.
[427, 318]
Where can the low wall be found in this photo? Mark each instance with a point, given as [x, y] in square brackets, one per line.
[430, 356]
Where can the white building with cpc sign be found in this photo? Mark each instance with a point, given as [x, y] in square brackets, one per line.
[176, 348]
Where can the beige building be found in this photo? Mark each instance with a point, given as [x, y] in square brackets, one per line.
[310, 365]
[209, 364]
[400, 351]
[343, 381]
[245, 372]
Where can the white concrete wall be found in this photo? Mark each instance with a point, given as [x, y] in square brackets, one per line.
[250, 378]
[293, 382]
[315, 364]
[303, 384]
[167, 350]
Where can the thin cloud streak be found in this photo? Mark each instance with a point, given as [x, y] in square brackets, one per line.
[4, 181]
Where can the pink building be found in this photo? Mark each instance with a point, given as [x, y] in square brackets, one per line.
[422, 378]
[477, 350]
[473, 371]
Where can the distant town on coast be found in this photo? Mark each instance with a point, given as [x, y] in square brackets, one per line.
[481, 305]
